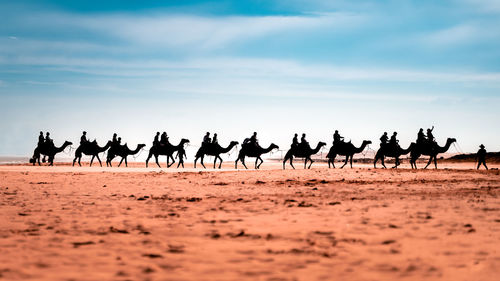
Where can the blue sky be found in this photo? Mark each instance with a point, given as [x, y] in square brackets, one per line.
[234, 67]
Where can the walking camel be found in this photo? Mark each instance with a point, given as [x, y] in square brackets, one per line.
[346, 149]
[429, 149]
[167, 149]
[388, 150]
[123, 151]
[49, 150]
[213, 149]
[301, 151]
[253, 151]
[90, 148]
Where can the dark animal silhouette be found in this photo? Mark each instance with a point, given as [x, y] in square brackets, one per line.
[388, 150]
[346, 149]
[430, 149]
[49, 150]
[212, 149]
[249, 150]
[167, 150]
[302, 152]
[90, 148]
[123, 151]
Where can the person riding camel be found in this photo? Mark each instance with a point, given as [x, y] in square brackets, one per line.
[383, 139]
[303, 142]
[337, 139]
[119, 141]
[164, 138]
[481, 157]
[48, 141]
[394, 142]
[114, 140]
[156, 140]
[83, 138]
[41, 139]
[295, 141]
[214, 139]
[430, 136]
[206, 139]
[421, 136]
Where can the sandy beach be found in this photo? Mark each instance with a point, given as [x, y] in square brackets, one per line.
[71, 223]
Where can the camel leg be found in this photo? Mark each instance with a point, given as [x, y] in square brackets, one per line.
[428, 163]
[156, 160]
[92, 160]
[173, 160]
[291, 163]
[201, 161]
[236, 163]
[310, 163]
[126, 164]
[195, 159]
[305, 163]
[261, 161]
[256, 160]
[220, 165]
[74, 160]
[215, 160]
[120, 162]
[243, 162]
[435, 162]
[345, 162]
[99, 159]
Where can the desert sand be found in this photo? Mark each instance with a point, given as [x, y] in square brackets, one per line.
[92, 223]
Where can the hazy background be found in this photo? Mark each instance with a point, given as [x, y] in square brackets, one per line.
[234, 67]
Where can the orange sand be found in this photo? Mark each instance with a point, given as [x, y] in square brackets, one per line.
[65, 223]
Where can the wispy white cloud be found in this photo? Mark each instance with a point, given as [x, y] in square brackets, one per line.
[461, 34]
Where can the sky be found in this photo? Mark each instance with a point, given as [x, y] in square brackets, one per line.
[234, 67]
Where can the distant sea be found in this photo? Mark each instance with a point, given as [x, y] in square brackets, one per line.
[24, 160]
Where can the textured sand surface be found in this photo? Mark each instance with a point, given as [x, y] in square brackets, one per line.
[64, 223]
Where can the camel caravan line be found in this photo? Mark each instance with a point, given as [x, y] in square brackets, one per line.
[250, 147]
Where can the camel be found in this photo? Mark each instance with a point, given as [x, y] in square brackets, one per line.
[90, 148]
[123, 151]
[212, 149]
[167, 150]
[429, 149]
[302, 152]
[390, 151]
[253, 151]
[347, 149]
[49, 150]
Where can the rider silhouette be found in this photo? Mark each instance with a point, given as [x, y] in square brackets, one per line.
[295, 141]
[481, 157]
[253, 138]
[421, 136]
[214, 139]
[48, 140]
[41, 139]
[114, 140]
[164, 138]
[156, 140]
[206, 139]
[430, 137]
[383, 139]
[394, 141]
[83, 138]
[119, 141]
[337, 139]
[303, 142]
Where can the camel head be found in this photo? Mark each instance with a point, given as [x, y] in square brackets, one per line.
[233, 143]
[367, 142]
[183, 141]
[141, 145]
[451, 140]
[273, 146]
[66, 143]
[321, 144]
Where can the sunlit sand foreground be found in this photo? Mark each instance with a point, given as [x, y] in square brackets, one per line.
[92, 223]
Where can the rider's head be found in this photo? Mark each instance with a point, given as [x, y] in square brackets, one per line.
[395, 133]
[303, 135]
[84, 132]
[336, 131]
[119, 139]
[48, 134]
[421, 130]
[157, 133]
[254, 133]
[296, 134]
[41, 133]
[481, 146]
[208, 133]
[114, 135]
[385, 133]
